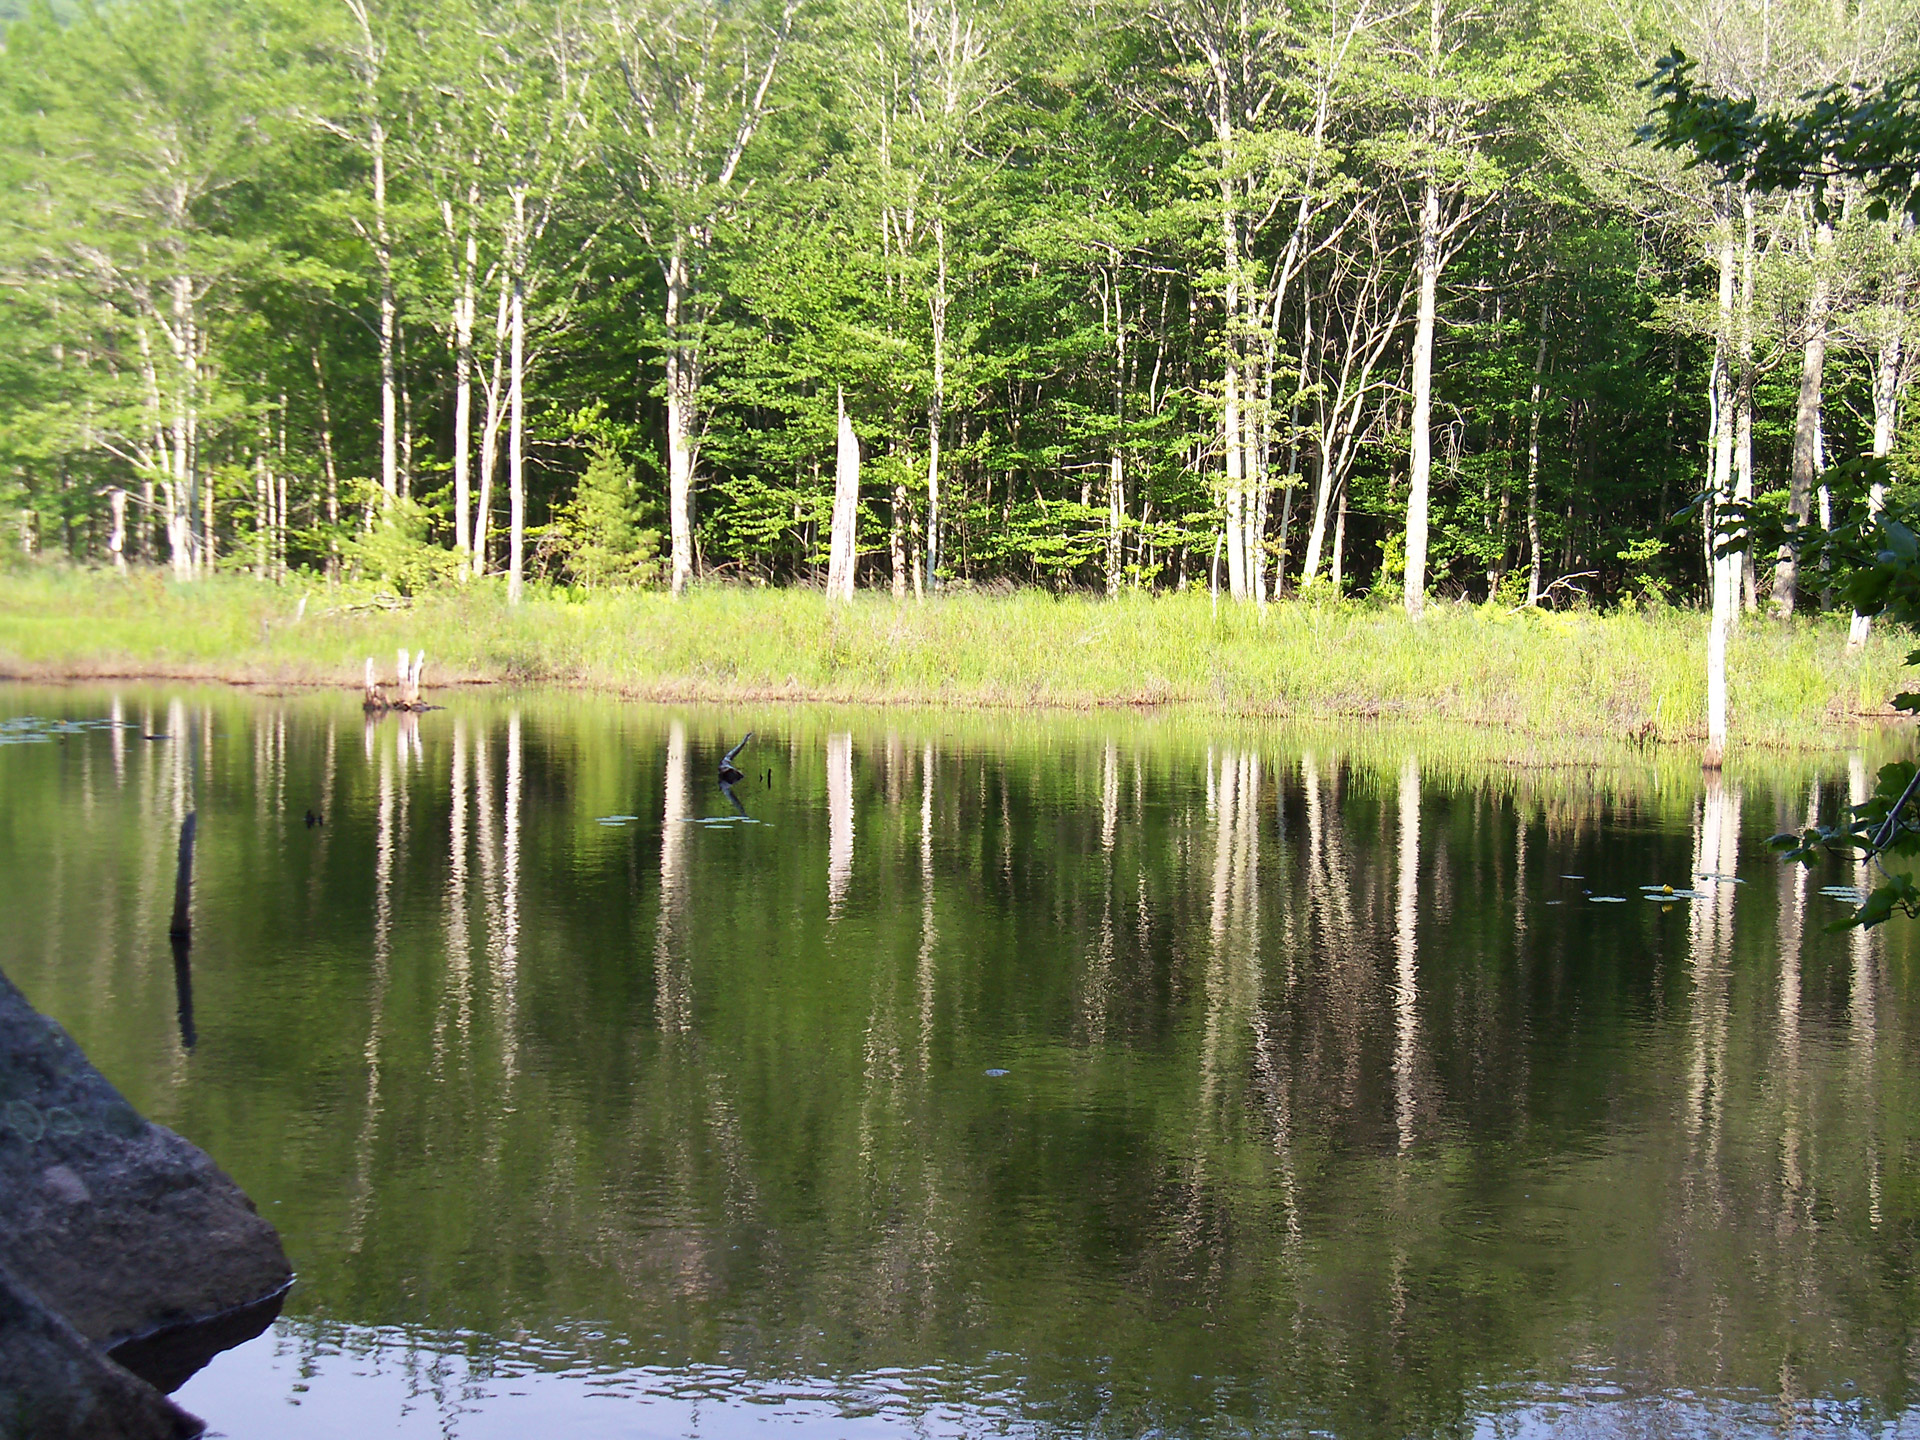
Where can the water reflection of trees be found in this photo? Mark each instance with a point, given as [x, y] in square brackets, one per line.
[1285, 1027]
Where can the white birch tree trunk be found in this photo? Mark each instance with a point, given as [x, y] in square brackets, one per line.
[490, 428]
[156, 459]
[1233, 520]
[1725, 597]
[842, 553]
[1724, 570]
[389, 315]
[1420, 466]
[1339, 544]
[463, 309]
[681, 396]
[1887, 375]
[1806, 427]
[328, 468]
[180, 512]
[117, 540]
[936, 402]
[1741, 563]
[262, 514]
[516, 444]
[1257, 451]
[1322, 512]
[897, 536]
[1533, 463]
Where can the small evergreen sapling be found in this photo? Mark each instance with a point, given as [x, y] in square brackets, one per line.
[605, 545]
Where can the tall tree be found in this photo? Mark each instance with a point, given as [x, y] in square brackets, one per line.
[1463, 68]
[694, 81]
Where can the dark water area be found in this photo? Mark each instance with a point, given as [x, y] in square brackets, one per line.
[989, 1076]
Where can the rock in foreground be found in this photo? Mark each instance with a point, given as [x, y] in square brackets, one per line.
[115, 1227]
[55, 1386]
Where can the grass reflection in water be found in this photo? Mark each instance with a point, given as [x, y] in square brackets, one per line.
[1008, 1075]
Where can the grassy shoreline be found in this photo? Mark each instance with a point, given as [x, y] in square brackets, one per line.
[1630, 675]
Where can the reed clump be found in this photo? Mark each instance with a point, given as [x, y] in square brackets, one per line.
[1632, 674]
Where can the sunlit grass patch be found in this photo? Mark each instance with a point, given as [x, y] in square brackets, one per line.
[1637, 675]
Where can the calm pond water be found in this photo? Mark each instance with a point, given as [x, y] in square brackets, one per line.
[992, 1076]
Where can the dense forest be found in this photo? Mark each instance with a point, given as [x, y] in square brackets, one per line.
[1348, 295]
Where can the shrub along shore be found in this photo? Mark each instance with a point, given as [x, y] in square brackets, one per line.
[1638, 675]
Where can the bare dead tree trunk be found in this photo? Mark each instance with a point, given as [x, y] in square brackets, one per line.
[843, 542]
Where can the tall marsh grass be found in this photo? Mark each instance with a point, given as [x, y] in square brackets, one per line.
[1635, 674]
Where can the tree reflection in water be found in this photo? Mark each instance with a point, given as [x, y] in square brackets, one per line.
[1326, 1102]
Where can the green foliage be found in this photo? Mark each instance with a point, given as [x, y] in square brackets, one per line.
[1856, 132]
[1645, 585]
[602, 543]
[1028, 277]
[398, 553]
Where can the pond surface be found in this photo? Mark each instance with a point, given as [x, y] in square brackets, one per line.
[1015, 1076]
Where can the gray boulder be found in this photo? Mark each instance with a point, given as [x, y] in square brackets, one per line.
[55, 1386]
[124, 1231]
